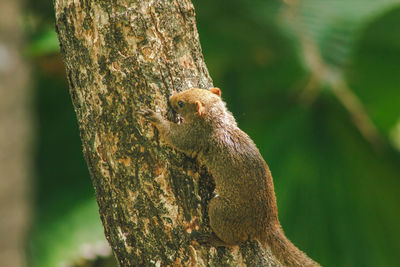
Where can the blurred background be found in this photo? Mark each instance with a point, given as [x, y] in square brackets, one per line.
[315, 83]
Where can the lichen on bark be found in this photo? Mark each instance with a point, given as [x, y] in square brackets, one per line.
[121, 56]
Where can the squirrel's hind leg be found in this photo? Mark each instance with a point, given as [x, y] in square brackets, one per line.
[224, 221]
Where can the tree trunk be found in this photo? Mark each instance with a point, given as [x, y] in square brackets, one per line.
[15, 138]
[121, 56]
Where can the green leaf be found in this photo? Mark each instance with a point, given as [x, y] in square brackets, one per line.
[336, 25]
[375, 78]
[342, 48]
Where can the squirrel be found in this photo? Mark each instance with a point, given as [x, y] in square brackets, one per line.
[244, 207]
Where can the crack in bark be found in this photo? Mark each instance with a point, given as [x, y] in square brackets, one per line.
[164, 49]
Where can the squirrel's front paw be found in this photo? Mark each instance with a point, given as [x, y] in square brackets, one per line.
[150, 115]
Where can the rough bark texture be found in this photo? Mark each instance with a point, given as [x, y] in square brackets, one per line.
[121, 56]
[15, 137]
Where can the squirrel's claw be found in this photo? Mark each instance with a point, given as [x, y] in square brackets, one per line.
[145, 112]
[149, 114]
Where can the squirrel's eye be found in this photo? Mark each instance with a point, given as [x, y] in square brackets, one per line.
[180, 104]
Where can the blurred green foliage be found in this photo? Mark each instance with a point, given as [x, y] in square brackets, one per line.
[67, 227]
[315, 83]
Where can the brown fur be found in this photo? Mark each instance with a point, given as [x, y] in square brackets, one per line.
[245, 205]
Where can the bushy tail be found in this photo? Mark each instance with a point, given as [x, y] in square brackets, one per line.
[284, 250]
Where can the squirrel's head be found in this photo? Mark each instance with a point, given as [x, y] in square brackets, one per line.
[194, 102]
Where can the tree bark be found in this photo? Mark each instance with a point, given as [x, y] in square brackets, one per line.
[121, 56]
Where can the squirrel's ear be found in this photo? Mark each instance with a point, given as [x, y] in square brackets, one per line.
[200, 108]
[216, 91]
